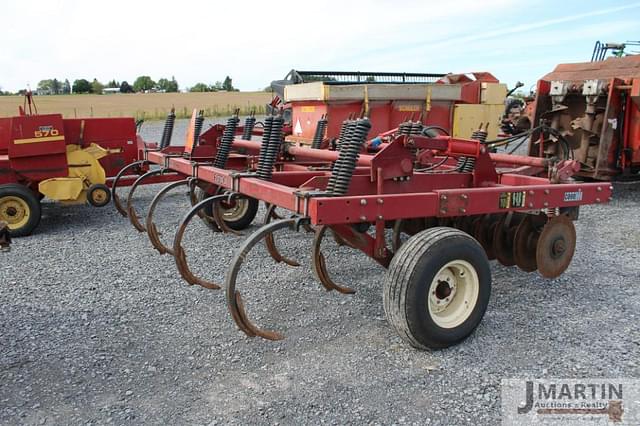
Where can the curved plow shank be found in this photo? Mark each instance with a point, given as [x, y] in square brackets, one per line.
[178, 252]
[152, 229]
[270, 241]
[133, 215]
[320, 266]
[234, 299]
[114, 186]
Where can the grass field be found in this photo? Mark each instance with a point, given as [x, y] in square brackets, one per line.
[150, 106]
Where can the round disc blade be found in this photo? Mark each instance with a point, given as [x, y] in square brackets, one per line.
[556, 246]
[483, 232]
[524, 245]
[503, 238]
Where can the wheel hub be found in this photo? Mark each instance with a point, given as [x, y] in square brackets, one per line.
[558, 248]
[99, 196]
[234, 210]
[453, 294]
[14, 211]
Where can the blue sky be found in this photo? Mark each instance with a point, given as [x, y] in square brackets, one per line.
[256, 42]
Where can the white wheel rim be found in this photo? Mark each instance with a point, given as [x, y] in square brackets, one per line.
[235, 213]
[453, 294]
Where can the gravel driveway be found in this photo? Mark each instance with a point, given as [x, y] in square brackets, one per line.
[96, 327]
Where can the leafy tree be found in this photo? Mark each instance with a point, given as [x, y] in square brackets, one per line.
[56, 87]
[143, 83]
[113, 84]
[228, 85]
[96, 87]
[168, 85]
[125, 87]
[66, 87]
[44, 86]
[216, 87]
[81, 86]
[200, 87]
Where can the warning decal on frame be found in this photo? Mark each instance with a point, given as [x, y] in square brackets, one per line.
[509, 200]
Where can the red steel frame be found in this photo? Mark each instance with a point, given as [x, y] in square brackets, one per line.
[388, 192]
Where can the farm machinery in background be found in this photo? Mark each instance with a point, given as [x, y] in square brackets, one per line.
[72, 161]
[365, 161]
[591, 111]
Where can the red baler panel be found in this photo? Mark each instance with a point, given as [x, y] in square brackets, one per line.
[37, 150]
[385, 115]
[5, 134]
[109, 133]
[634, 134]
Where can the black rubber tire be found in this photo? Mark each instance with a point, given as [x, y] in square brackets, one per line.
[31, 199]
[408, 279]
[96, 187]
[240, 223]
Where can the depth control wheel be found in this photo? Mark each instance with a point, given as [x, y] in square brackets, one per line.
[19, 208]
[98, 195]
[237, 214]
[437, 288]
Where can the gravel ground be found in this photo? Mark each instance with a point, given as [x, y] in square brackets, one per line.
[96, 327]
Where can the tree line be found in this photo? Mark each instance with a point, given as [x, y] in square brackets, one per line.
[142, 84]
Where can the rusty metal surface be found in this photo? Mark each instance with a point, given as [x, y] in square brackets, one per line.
[131, 211]
[320, 266]
[234, 298]
[556, 246]
[178, 251]
[152, 229]
[269, 240]
[626, 67]
[114, 186]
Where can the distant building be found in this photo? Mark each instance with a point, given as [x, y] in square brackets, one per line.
[110, 90]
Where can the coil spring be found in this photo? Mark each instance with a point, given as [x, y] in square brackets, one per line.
[268, 160]
[249, 124]
[411, 128]
[198, 128]
[346, 131]
[167, 132]
[266, 132]
[319, 135]
[225, 144]
[345, 165]
[468, 164]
